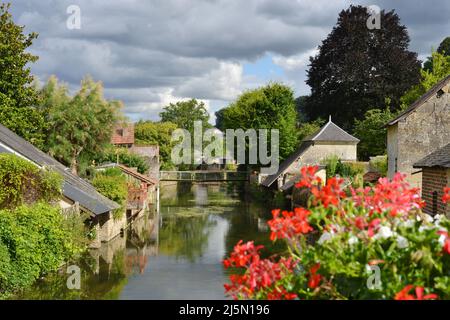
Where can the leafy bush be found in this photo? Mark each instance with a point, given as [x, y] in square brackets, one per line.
[113, 186]
[33, 241]
[24, 183]
[125, 157]
[343, 239]
[380, 164]
[335, 166]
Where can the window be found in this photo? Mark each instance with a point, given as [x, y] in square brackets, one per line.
[120, 132]
[435, 202]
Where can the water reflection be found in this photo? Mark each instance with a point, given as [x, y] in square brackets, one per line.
[175, 254]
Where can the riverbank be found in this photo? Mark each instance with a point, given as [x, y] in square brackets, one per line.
[177, 254]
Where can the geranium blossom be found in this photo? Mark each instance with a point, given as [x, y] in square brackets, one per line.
[288, 224]
[261, 275]
[405, 294]
[349, 231]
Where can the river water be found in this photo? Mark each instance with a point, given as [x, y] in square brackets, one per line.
[175, 252]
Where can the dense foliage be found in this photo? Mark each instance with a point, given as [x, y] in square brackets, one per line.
[22, 182]
[268, 107]
[357, 68]
[443, 49]
[335, 167]
[185, 113]
[371, 243]
[18, 97]
[124, 156]
[372, 133]
[439, 70]
[79, 124]
[33, 241]
[156, 133]
[112, 184]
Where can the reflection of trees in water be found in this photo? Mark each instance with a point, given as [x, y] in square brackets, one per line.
[99, 279]
[185, 237]
[107, 284]
[243, 225]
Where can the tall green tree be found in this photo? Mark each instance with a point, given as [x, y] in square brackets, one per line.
[82, 123]
[184, 113]
[443, 49]
[156, 133]
[18, 97]
[440, 69]
[268, 107]
[357, 68]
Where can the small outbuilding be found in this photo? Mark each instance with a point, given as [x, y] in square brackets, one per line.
[435, 177]
[330, 140]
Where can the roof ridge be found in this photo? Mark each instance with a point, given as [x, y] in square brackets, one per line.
[420, 101]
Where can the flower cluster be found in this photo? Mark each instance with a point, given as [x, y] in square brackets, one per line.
[446, 197]
[336, 241]
[394, 197]
[289, 224]
[404, 294]
[261, 276]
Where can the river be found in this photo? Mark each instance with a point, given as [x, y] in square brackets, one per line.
[175, 252]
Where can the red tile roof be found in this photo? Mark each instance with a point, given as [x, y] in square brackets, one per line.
[123, 134]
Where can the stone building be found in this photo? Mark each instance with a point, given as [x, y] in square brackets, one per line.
[77, 193]
[435, 177]
[330, 140]
[418, 131]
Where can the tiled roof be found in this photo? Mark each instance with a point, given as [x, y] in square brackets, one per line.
[74, 188]
[438, 158]
[331, 132]
[432, 92]
[123, 134]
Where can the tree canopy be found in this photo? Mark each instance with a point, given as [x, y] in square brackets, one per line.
[440, 68]
[18, 97]
[156, 133]
[372, 133]
[185, 113]
[268, 107]
[82, 123]
[357, 68]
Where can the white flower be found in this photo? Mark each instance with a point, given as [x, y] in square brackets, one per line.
[428, 218]
[384, 233]
[442, 239]
[353, 240]
[408, 223]
[402, 242]
[423, 228]
[325, 237]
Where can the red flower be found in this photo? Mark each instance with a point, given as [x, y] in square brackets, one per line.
[314, 278]
[360, 223]
[446, 197]
[308, 177]
[372, 226]
[289, 224]
[404, 294]
[446, 246]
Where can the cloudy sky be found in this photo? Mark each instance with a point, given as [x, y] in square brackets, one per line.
[149, 53]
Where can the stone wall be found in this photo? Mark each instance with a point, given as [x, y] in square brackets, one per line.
[434, 181]
[420, 133]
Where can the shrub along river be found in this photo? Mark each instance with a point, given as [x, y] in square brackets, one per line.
[175, 253]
